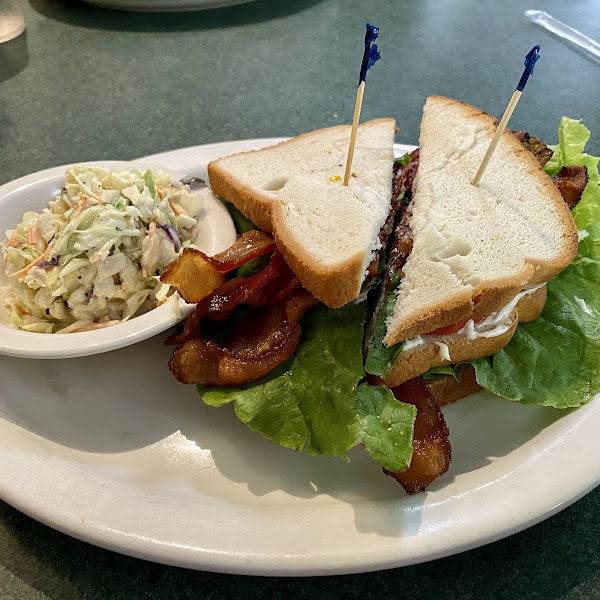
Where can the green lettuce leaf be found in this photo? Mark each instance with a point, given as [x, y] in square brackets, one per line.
[148, 178]
[315, 396]
[253, 266]
[380, 359]
[445, 370]
[555, 360]
[242, 223]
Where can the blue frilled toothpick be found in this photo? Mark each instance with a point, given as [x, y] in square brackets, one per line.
[370, 57]
[530, 60]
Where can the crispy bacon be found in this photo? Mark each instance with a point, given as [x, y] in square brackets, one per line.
[224, 299]
[280, 288]
[249, 245]
[402, 181]
[403, 242]
[431, 448]
[404, 175]
[262, 328]
[257, 344]
[192, 276]
[540, 151]
[571, 182]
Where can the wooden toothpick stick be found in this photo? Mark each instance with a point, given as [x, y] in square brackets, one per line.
[530, 61]
[357, 106]
[370, 57]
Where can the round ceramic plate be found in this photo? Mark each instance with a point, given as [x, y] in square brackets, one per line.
[112, 450]
[215, 232]
[165, 5]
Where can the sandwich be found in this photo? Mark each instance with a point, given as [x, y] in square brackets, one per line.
[348, 316]
[328, 233]
[470, 262]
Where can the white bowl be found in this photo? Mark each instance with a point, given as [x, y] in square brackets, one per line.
[33, 192]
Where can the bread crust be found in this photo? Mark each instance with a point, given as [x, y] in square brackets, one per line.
[492, 295]
[332, 286]
[416, 362]
[530, 307]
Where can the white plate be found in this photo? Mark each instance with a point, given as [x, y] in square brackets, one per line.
[165, 5]
[112, 450]
[33, 192]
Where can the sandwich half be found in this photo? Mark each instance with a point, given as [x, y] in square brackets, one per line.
[473, 260]
[328, 233]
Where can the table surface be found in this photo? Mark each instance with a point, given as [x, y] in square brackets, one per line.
[84, 84]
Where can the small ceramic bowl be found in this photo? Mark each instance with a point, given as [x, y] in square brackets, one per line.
[215, 233]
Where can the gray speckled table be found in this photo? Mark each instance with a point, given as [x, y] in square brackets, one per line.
[86, 84]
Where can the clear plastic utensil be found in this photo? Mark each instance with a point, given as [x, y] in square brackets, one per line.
[12, 21]
[543, 19]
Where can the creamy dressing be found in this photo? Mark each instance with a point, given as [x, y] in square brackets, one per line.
[493, 325]
[496, 323]
[582, 305]
[444, 351]
[412, 343]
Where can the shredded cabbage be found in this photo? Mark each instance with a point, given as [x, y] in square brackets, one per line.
[92, 258]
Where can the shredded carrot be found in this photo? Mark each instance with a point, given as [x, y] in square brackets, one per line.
[81, 204]
[14, 241]
[20, 309]
[25, 270]
[32, 234]
[177, 209]
[94, 326]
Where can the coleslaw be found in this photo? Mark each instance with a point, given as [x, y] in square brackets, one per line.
[93, 257]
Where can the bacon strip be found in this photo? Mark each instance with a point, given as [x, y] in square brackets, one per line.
[249, 245]
[571, 182]
[402, 180]
[540, 151]
[257, 344]
[431, 448]
[224, 299]
[403, 242]
[280, 288]
[404, 175]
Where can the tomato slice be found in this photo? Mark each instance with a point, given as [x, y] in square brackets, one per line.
[455, 328]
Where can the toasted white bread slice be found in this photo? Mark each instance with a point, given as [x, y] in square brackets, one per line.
[475, 248]
[459, 348]
[327, 232]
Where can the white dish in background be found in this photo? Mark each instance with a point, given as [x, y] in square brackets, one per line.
[33, 192]
[165, 5]
[112, 450]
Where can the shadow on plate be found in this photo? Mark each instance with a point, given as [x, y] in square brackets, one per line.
[127, 400]
[75, 12]
[484, 426]
[114, 402]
